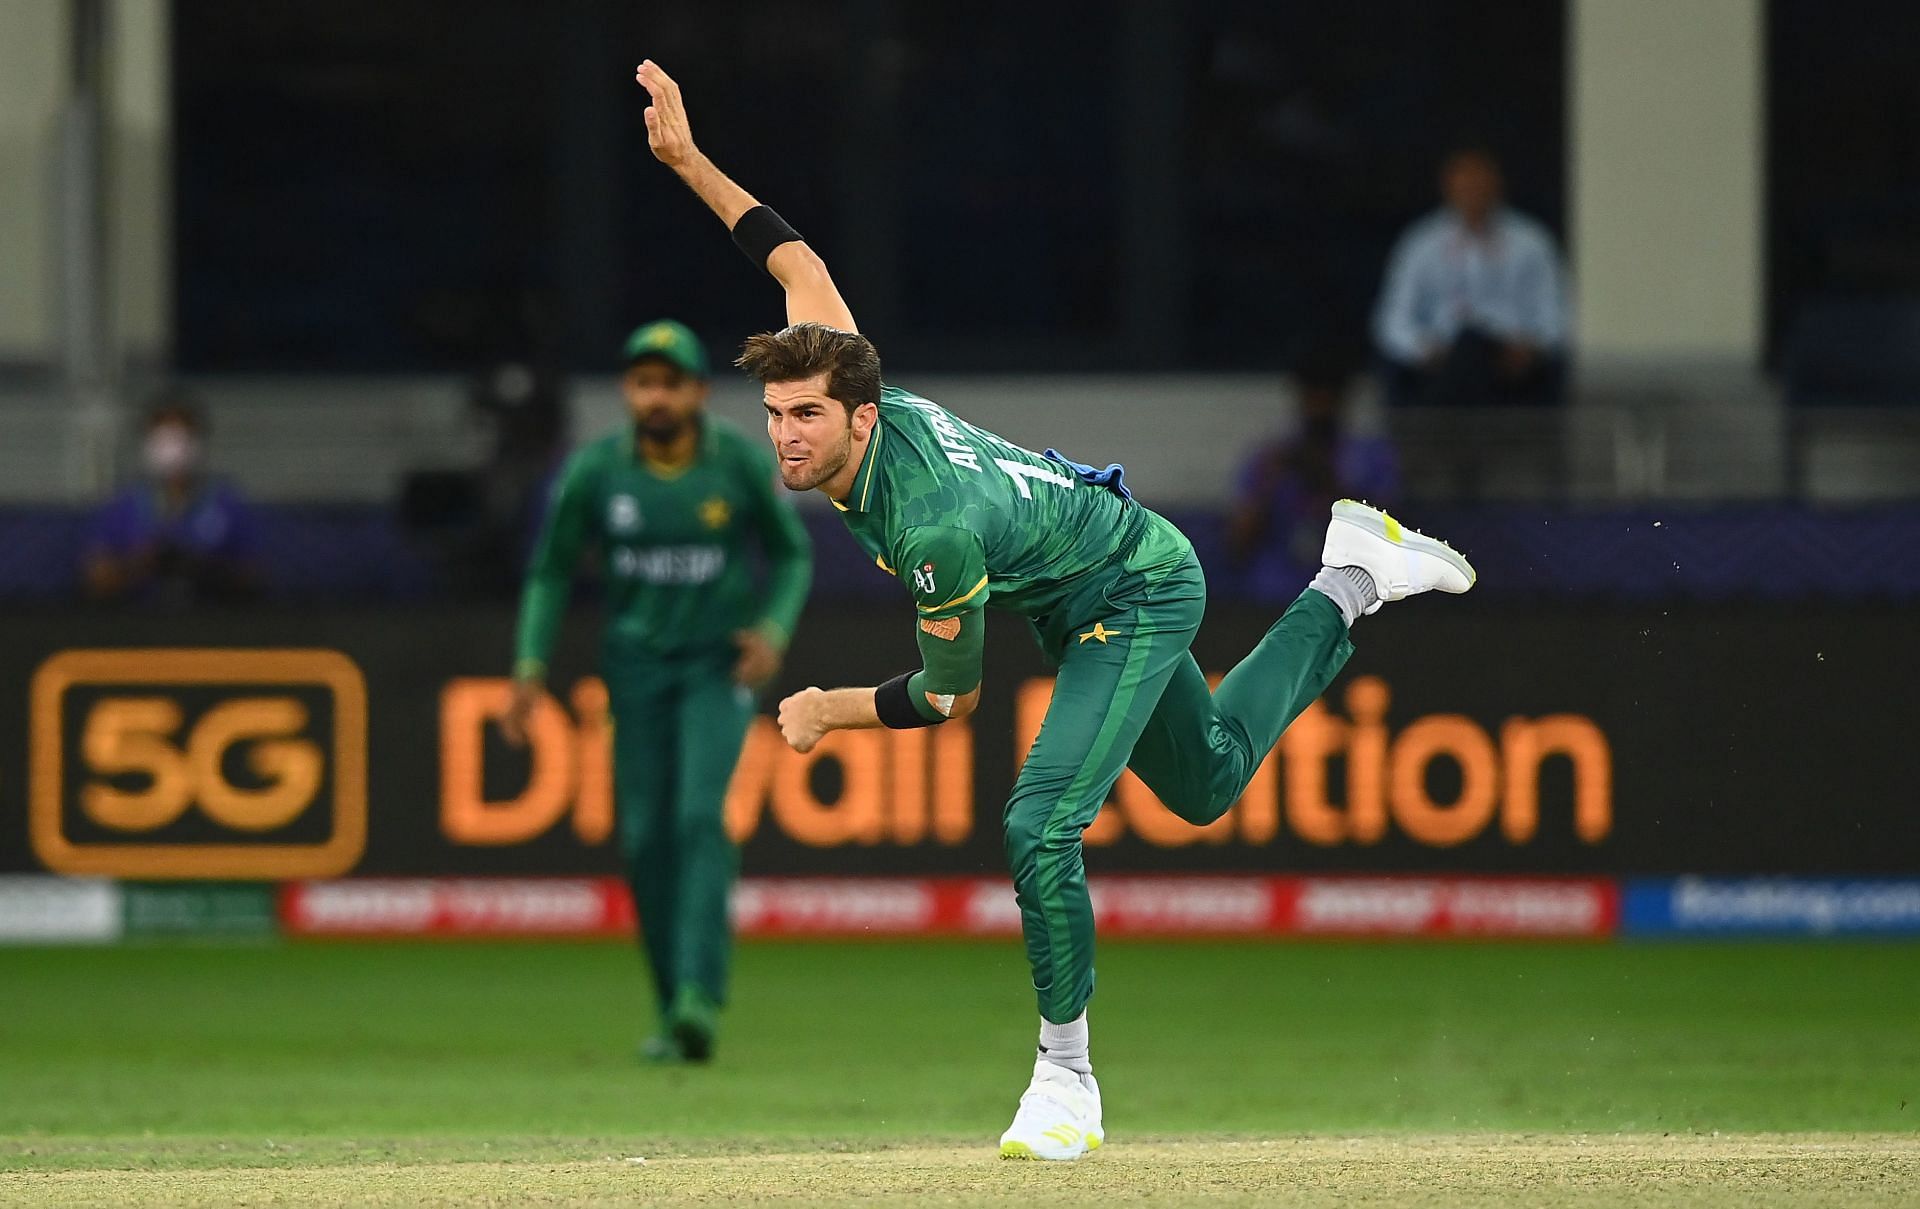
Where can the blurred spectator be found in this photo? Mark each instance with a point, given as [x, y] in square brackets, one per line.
[179, 537]
[1280, 517]
[1473, 310]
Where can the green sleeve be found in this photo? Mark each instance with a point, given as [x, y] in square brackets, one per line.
[946, 571]
[788, 549]
[543, 601]
[950, 660]
[945, 568]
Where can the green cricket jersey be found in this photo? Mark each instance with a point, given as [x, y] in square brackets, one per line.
[673, 546]
[964, 517]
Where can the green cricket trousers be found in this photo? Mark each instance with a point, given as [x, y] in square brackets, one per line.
[1129, 695]
[678, 724]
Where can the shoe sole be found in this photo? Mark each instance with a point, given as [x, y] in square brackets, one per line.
[1022, 1151]
[1372, 520]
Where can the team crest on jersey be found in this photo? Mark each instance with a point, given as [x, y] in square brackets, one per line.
[923, 579]
[623, 514]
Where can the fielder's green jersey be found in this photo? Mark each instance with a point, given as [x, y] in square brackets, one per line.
[964, 517]
[673, 544]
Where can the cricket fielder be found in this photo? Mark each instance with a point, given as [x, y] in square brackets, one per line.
[1113, 591]
[672, 503]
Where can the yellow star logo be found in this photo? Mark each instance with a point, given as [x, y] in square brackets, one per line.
[1101, 632]
[715, 513]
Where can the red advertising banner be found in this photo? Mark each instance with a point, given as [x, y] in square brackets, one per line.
[877, 908]
[475, 907]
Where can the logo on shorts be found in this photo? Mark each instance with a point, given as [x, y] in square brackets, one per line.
[923, 580]
[623, 514]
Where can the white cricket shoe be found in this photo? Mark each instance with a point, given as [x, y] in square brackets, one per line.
[1402, 563]
[1059, 1116]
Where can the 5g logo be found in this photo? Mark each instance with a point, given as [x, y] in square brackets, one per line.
[199, 763]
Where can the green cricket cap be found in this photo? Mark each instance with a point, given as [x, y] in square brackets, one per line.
[672, 342]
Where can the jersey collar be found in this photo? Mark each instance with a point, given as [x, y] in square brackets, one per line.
[862, 497]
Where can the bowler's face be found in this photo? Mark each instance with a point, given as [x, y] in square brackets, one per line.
[812, 433]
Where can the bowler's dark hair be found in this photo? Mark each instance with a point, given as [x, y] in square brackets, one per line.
[803, 350]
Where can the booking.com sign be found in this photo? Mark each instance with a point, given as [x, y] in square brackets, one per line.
[199, 763]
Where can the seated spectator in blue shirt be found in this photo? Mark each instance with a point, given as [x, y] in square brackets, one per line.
[1473, 310]
[178, 537]
[1279, 519]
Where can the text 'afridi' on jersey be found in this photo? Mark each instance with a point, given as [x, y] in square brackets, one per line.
[963, 516]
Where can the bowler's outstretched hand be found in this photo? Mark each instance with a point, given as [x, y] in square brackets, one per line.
[668, 133]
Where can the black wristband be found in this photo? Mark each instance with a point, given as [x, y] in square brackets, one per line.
[759, 231]
[894, 704]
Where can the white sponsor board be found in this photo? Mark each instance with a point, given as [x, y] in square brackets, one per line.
[38, 909]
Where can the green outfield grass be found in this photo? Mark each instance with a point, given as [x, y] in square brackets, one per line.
[312, 1057]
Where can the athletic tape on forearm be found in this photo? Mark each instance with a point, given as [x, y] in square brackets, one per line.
[759, 232]
[952, 652]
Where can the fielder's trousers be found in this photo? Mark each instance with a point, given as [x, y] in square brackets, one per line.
[678, 724]
[1130, 695]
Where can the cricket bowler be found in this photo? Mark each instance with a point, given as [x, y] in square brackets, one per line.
[1114, 592]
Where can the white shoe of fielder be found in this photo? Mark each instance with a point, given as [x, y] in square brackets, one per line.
[1059, 1116]
[1402, 563]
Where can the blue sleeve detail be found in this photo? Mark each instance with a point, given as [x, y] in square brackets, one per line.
[1110, 478]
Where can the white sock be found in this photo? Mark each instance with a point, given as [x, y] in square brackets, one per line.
[1349, 588]
[1066, 1044]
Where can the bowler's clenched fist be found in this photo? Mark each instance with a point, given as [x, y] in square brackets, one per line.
[802, 720]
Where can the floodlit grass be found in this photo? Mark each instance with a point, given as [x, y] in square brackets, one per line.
[459, 1073]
